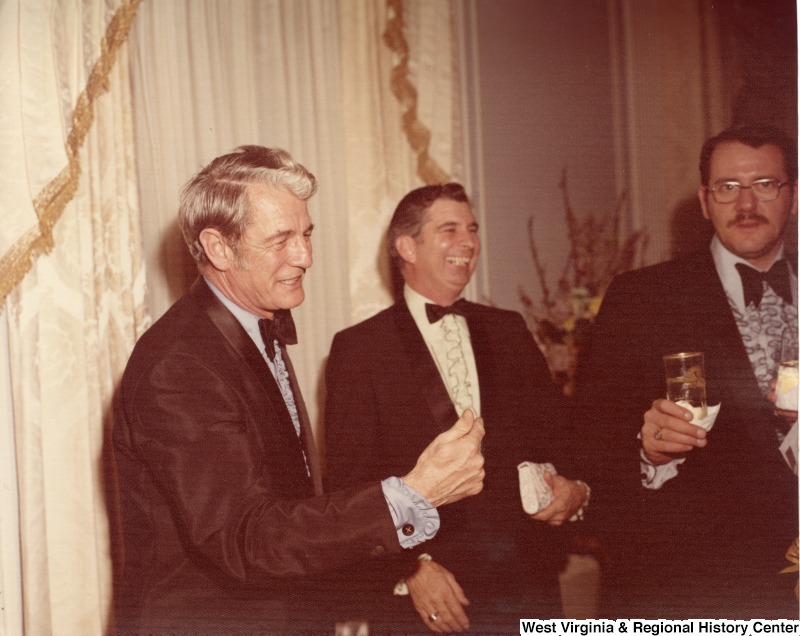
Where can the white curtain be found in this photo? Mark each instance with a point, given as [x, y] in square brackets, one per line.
[71, 262]
[205, 76]
[313, 77]
[401, 81]
[668, 98]
[211, 75]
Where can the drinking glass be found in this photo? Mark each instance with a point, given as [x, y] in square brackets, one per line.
[686, 381]
[786, 387]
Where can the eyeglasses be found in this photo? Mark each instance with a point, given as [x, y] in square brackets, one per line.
[763, 190]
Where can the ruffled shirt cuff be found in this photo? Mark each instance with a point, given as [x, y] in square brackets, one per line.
[415, 519]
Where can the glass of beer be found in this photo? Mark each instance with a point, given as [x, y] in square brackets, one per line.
[686, 381]
[786, 387]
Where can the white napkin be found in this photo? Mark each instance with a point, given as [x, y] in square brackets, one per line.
[789, 448]
[534, 491]
[705, 422]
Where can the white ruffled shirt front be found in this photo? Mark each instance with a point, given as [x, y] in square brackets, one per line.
[653, 477]
[434, 336]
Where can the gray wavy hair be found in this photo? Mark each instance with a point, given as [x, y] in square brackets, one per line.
[216, 197]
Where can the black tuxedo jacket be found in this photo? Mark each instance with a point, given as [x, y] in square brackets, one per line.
[386, 401]
[222, 529]
[711, 541]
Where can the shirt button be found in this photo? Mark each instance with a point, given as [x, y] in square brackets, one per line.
[408, 529]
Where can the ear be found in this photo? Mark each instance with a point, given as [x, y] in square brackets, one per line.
[794, 200]
[702, 193]
[217, 250]
[406, 247]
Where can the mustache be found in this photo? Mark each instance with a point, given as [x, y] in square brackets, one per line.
[753, 216]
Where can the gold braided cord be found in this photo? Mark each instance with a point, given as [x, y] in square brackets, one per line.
[54, 197]
[419, 136]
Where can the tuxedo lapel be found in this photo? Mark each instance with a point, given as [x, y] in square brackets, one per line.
[307, 435]
[731, 380]
[237, 338]
[705, 298]
[424, 368]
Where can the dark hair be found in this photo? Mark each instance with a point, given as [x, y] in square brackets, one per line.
[412, 213]
[217, 195]
[755, 137]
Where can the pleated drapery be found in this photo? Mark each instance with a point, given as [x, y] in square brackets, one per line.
[107, 107]
[71, 268]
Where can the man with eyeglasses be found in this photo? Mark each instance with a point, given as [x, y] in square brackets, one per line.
[697, 524]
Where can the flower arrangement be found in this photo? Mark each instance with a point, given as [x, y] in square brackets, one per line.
[562, 322]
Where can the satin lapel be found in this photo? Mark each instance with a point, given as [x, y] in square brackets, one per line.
[424, 368]
[237, 337]
[305, 426]
[723, 340]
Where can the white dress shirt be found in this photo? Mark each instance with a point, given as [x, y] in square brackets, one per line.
[433, 335]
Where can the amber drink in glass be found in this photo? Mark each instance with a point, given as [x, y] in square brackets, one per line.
[686, 381]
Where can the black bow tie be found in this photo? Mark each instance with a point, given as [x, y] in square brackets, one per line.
[753, 282]
[437, 312]
[280, 328]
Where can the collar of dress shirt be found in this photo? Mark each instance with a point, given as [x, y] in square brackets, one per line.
[725, 263]
[416, 305]
[248, 320]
